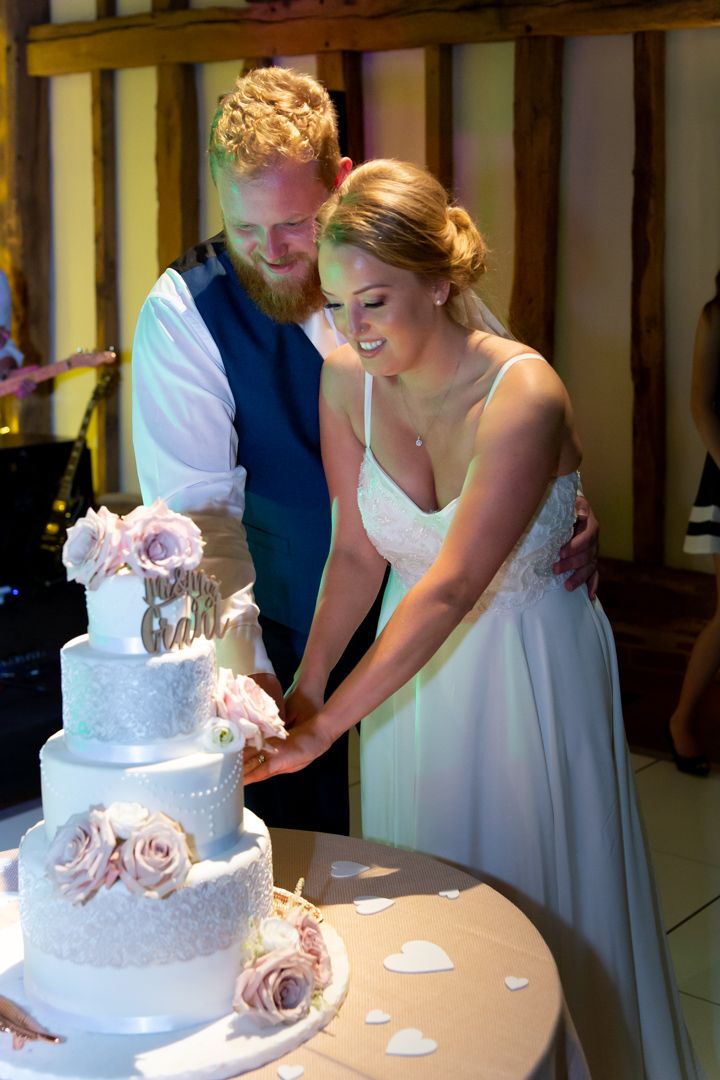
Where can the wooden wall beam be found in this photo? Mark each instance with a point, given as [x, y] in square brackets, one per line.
[439, 113]
[25, 223]
[314, 26]
[107, 319]
[648, 300]
[341, 74]
[537, 136]
[177, 162]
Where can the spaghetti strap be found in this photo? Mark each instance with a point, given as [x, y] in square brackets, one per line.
[506, 367]
[368, 408]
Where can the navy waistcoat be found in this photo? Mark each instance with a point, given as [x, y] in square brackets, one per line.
[274, 375]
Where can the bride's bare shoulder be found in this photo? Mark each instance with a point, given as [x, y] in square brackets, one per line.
[342, 372]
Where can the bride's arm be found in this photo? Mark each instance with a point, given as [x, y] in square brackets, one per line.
[518, 450]
[354, 570]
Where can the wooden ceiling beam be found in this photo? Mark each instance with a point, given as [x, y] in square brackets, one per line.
[313, 26]
[537, 139]
[25, 225]
[107, 315]
[177, 156]
[647, 301]
[439, 114]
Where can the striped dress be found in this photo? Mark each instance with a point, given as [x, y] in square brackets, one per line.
[703, 531]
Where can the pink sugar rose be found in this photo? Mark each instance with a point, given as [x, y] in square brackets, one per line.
[312, 944]
[79, 858]
[277, 988]
[161, 541]
[95, 548]
[154, 861]
[239, 698]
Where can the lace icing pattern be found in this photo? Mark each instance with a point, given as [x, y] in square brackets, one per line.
[135, 699]
[410, 540]
[116, 929]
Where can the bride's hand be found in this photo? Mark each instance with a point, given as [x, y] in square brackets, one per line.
[301, 704]
[303, 744]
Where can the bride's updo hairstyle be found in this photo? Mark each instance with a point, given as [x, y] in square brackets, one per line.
[401, 214]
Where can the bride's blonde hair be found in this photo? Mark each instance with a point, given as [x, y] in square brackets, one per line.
[402, 215]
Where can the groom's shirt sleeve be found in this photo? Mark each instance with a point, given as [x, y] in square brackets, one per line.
[186, 453]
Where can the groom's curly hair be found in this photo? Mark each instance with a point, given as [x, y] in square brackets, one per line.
[274, 115]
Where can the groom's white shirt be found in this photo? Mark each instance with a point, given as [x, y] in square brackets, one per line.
[186, 447]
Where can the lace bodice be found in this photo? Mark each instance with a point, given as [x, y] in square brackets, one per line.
[410, 538]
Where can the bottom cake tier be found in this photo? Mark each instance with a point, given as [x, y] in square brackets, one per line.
[125, 963]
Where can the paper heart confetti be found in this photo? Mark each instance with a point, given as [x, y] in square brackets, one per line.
[377, 1016]
[449, 894]
[290, 1072]
[419, 957]
[347, 868]
[409, 1042]
[371, 905]
[516, 982]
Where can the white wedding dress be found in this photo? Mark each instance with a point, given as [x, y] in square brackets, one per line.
[506, 754]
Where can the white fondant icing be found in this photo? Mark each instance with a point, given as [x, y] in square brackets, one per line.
[120, 957]
[202, 791]
[116, 610]
[111, 702]
[228, 1046]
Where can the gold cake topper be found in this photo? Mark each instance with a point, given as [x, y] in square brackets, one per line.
[204, 620]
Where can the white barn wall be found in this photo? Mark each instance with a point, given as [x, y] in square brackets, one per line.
[483, 156]
[592, 346]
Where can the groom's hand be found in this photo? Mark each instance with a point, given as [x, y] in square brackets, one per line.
[271, 685]
[580, 554]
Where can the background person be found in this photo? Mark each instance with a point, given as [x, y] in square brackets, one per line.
[703, 538]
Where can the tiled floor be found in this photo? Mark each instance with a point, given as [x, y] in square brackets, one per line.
[682, 817]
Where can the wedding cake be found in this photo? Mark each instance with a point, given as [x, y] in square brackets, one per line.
[141, 886]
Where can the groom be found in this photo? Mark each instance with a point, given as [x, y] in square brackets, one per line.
[226, 370]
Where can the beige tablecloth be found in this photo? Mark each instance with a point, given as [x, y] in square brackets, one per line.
[483, 1029]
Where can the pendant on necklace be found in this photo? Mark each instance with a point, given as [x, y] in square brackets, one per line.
[419, 441]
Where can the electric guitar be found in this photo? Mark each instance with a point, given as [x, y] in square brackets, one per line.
[19, 378]
[66, 508]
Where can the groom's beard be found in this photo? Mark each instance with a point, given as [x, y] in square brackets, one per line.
[282, 301]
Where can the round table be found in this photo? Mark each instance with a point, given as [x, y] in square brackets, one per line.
[482, 1028]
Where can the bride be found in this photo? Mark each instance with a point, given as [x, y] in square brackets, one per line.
[491, 726]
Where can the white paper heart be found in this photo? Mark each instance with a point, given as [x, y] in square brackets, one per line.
[409, 1042]
[516, 982]
[290, 1072]
[417, 957]
[450, 894]
[347, 868]
[371, 905]
[377, 1016]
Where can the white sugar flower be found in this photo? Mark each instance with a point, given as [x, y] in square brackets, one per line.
[224, 736]
[124, 817]
[276, 933]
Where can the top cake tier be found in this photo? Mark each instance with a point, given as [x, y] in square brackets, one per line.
[121, 621]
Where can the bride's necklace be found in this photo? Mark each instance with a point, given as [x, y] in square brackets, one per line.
[422, 436]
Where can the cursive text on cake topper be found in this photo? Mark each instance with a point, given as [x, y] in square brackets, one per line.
[203, 620]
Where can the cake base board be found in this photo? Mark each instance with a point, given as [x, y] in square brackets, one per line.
[220, 1050]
